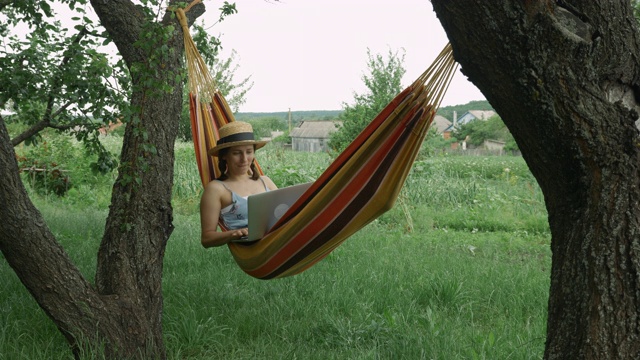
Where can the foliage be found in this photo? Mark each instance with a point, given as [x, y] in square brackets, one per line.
[478, 131]
[264, 126]
[286, 167]
[187, 185]
[264, 123]
[151, 50]
[490, 305]
[58, 77]
[636, 9]
[285, 138]
[53, 167]
[434, 142]
[383, 83]
[45, 177]
[46, 167]
[148, 82]
[296, 116]
[62, 79]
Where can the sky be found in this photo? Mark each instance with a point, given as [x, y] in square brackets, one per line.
[312, 54]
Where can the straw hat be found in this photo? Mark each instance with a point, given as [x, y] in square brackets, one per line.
[236, 133]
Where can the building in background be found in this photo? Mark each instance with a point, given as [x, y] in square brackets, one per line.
[313, 135]
[441, 124]
[466, 118]
[472, 115]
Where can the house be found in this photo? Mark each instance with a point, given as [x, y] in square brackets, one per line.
[471, 115]
[494, 144]
[466, 118]
[104, 130]
[440, 123]
[313, 135]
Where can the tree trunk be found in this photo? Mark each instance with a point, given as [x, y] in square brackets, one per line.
[122, 315]
[564, 78]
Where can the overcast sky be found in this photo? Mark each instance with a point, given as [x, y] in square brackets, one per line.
[312, 54]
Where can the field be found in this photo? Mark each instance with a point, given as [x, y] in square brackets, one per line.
[458, 269]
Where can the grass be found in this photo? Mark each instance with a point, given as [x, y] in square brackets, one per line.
[383, 294]
[459, 269]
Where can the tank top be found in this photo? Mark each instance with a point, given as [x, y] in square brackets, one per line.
[235, 216]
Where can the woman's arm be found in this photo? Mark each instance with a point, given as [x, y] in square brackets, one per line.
[210, 206]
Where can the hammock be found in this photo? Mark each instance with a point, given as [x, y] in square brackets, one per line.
[362, 183]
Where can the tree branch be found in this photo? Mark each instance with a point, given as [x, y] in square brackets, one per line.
[53, 93]
[57, 84]
[30, 132]
[43, 124]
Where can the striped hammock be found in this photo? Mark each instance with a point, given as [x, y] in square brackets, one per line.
[362, 183]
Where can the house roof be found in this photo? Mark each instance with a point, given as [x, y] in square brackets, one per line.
[315, 129]
[482, 114]
[440, 123]
[472, 115]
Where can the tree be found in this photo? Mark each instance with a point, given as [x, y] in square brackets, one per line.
[264, 126]
[57, 81]
[492, 129]
[120, 315]
[384, 82]
[636, 8]
[434, 143]
[448, 111]
[564, 78]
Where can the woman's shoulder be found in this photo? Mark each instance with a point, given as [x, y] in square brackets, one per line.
[215, 186]
[270, 184]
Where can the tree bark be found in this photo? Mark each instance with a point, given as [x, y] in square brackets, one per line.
[121, 316]
[563, 75]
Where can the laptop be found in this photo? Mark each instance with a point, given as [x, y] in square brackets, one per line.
[266, 208]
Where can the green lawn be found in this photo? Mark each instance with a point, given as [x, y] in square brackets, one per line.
[458, 269]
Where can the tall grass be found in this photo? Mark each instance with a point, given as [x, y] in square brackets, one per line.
[384, 294]
[285, 168]
[458, 270]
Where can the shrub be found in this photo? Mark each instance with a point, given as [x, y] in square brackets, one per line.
[45, 177]
[45, 174]
[63, 166]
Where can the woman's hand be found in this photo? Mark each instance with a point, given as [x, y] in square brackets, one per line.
[239, 233]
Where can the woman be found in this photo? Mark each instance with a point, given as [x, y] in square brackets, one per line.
[225, 198]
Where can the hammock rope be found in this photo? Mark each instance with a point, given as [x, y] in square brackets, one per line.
[361, 184]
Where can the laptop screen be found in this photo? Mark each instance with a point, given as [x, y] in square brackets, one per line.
[266, 208]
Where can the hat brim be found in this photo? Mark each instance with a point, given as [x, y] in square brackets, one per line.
[216, 149]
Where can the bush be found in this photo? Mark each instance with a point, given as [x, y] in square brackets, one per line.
[63, 166]
[435, 143]
[44, 172]
[45, 177]
[492, 129]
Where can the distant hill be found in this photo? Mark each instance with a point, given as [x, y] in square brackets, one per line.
[447, 111]
[297, 116]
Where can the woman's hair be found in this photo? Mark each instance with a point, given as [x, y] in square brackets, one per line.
[222, 166]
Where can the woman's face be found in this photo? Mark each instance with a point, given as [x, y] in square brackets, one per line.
[239, 158]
